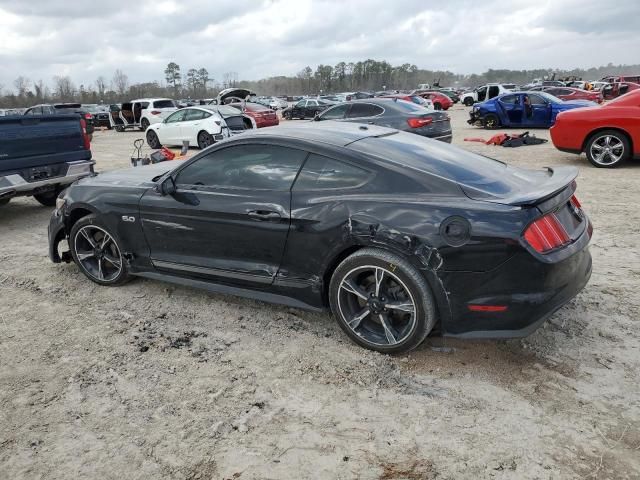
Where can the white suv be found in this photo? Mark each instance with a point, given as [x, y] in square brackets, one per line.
[485, 92]
[141, 113]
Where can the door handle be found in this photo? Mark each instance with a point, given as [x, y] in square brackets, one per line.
[264, 214]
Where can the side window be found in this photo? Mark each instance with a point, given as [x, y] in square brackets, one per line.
[324, 173]
[510, 100]
[193, 114]
[31, 111]
[364, 110]
[493, 91]
[312, 103]
[261, 167]
[334, 113]
[301, 103]
[537, 100]
[144, 105]
[177, 116]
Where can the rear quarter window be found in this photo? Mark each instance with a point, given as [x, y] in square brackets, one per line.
[323, 173]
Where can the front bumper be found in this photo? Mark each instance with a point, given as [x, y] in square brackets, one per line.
[474, 117]
[15, 185]
[57, 232]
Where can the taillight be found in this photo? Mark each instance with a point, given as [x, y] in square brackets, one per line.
[546, 234]
[155, 112]
[85, 137]
[575, 202]
[419, 122]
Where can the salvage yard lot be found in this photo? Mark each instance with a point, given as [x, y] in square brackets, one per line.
[152, 380]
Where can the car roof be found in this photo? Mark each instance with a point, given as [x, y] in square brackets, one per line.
[339, 134]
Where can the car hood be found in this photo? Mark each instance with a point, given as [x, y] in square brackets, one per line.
[131, 177]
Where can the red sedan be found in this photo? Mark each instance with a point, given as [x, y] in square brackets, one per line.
[568, 93]
[440, 100]
[609, 134]
[264, 116]
[616, 89]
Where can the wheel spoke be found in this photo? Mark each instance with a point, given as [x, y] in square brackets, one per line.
[113, 261]
[105, 240]
[355, 321]
[607, 141]
[403, 306]
[84, 255]
[595, 146]
[351, 287]
[379, 277]
[88, 238]
[391, 338]
[100, 274]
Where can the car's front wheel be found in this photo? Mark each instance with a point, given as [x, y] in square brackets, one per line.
[491, 121]
[468, 101]
[608, 149]
[97, 252]
[152, 140]
[381, 301]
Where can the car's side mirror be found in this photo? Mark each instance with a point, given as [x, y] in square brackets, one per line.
[166, 186]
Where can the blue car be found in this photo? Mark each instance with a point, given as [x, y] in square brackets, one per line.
[522, 109]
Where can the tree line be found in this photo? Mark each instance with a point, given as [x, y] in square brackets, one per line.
[369, 75]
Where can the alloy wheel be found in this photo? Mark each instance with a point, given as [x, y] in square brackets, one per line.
[376, 305]
[607, 150]
[98, 253]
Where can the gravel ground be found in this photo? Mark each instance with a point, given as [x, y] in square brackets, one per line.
[152, 380]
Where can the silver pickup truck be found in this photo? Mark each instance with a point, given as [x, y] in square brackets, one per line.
[41, 155]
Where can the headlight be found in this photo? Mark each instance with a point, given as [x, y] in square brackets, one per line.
[60, 203]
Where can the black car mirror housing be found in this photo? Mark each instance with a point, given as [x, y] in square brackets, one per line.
[166, 186]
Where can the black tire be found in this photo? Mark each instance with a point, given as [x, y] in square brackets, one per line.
[468, 101]
[99, 263]
[144, 124]
[490, 121]
[152, 140]
[48, 199]
[205, 139]
[619, 149]
[405, 287]
[437, 106]
[4, 201]
[119, 128]
[287, 115]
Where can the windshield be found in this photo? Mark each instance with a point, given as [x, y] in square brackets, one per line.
[164, 104]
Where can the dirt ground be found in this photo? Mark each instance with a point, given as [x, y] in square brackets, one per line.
[153, 381]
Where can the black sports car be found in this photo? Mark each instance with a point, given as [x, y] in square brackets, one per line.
[306, 108]
[396, 233]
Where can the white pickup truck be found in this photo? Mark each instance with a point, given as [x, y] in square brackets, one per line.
[485, 92]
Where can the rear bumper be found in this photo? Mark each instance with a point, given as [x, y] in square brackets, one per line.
[15, 185]
[531, 290]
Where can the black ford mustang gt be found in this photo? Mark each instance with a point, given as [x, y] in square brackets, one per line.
[395, 233]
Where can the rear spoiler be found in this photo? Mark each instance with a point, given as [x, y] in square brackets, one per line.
[543, 191]
[560, 178]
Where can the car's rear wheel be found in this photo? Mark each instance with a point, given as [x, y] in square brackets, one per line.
[205, 140]
[468, 101]
[119, 128]
[144, 124]
[381, 301]
[48, 199]
[608, 149]
[437, 106]
[97, 252]
[152, 140]
[491, 121]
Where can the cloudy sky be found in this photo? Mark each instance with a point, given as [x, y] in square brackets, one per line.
[260, 38]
